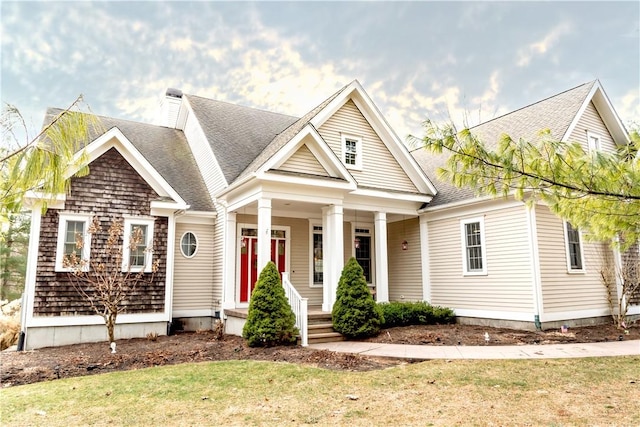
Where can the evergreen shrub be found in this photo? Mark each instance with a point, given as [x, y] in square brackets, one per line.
[355, 313]
[270, 320]
[415, 313]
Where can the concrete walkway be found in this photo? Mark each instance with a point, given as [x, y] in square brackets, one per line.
[427, 352]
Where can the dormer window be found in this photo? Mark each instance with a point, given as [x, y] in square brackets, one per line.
[593, 141]
[352, 151]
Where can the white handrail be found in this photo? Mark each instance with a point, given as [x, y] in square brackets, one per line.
[299, 306]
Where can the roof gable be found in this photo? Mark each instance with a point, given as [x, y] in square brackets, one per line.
[236, 134]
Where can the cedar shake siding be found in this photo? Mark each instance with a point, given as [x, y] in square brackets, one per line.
[112, 189]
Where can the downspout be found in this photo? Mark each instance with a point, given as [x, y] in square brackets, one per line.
[535, 265]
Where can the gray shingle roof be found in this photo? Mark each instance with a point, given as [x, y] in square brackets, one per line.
[237, 134]
[168, 152]
[555, 113]
[281, 140]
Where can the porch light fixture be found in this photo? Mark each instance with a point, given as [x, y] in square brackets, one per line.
[356, 242]
[243, 243]
[405, 245]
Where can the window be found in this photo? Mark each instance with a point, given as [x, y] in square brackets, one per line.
[575, 263]
[188, 244]
[352, 152]
[138, 256]
[73, 237]
[593, 142]
[317, 256]
[474, 256]
[363, 251]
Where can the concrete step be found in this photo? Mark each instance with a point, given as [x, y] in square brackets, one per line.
[315, 318]
[320, 328]
[325, 337]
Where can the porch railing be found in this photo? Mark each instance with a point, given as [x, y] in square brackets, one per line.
[300, 307]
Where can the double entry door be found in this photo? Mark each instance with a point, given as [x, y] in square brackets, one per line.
[249, 258]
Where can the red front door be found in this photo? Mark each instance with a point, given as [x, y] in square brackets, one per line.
[249, 261]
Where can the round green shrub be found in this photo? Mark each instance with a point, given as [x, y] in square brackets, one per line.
[355, 314]
[270, 320]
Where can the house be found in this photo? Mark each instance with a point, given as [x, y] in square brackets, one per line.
[221, 189]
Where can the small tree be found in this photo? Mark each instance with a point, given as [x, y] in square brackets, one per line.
[355, 313]
[270, 320]
[101, 280]
[622, 283]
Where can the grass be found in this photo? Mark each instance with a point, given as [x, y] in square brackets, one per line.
[520, 392]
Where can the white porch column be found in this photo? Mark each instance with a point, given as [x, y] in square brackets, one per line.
[425, 257]
[333, 253]
[229, 269]
[381, 257]
[264, 233]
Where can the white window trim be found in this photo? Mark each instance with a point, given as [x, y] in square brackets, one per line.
[570, 270]
[313, 224]
[483, 247]
[128, 222]
[62, 229]
[358, 139]
[598, 139]
[360, 226]
[197, 244]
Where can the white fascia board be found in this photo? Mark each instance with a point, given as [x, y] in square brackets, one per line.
[318, 147]
[197, 217]
[161, 204]
[607, 113]
[308, 181]
[410, 197]
[473, 207]
[114, 138]
[33, 199]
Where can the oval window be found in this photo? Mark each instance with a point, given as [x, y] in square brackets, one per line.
[188, 244]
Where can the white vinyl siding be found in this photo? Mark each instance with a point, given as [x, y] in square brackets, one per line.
[303, 161]
[379, 168]
[506, 287]
[193, 277]
[405, 267]
[562, 291]
[591, 123]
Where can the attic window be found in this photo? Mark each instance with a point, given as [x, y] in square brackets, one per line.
[352, 152]
[593, 141]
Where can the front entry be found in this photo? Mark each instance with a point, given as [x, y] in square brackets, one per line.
[249, 258]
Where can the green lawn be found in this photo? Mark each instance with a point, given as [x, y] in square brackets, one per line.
[550, 392]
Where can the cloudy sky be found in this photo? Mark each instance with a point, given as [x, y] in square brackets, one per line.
[416, 60]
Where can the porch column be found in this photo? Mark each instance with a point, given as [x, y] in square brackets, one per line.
[229, 270]
[264, 233]
[381, 257]
[333, 253]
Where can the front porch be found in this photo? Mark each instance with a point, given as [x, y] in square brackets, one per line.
[319, 325]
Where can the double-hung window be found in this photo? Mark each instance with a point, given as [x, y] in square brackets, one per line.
[352, 151]
[137, 253]
[593, 141]
[474, 257]
[73, 238]
[575, 261]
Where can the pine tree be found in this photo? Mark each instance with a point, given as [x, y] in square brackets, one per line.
[355, 313]
[270, 320]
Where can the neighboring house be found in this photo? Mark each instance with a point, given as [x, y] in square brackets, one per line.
[222, 189]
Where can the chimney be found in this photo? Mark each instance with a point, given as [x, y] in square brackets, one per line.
[171, 113]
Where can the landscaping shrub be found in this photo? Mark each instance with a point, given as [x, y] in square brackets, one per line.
[355, 314]
[414, 313]
[270, 320]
